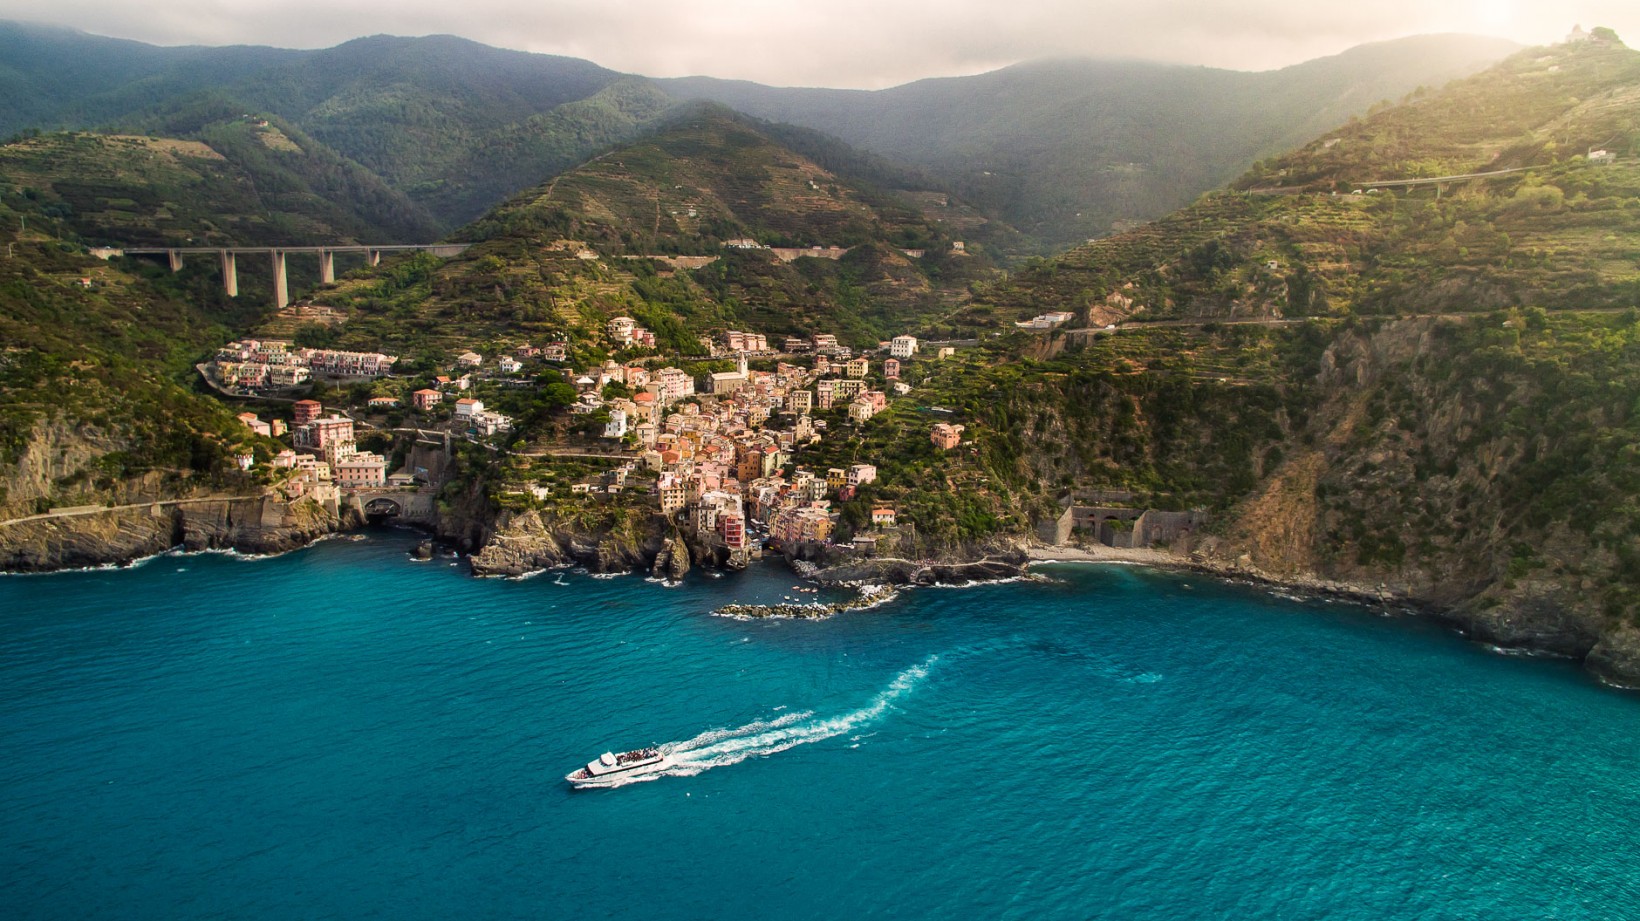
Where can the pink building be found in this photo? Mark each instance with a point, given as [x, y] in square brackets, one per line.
[357, 471]
[733, 526]
[307, 411]
[946, 437]
[321, 433]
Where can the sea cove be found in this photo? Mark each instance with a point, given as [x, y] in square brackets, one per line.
[342, 731]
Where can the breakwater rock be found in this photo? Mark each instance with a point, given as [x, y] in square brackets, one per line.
[925, 572]
[870, 596]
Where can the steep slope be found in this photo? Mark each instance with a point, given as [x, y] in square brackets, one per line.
[1331, 230]
[642, 230]
[1065, 150]
[520, 154]
[235, 181]
[710, 177]
[409, 108]
[93, 409]
[1455, 423]
[453, 124]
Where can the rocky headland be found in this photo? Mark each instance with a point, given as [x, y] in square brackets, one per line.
[122, 535]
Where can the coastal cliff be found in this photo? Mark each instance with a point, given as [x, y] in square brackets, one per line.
[247, 524]
[602, 540]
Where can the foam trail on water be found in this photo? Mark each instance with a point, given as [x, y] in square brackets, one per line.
[714, 736]
[784, 733]
[722, 747]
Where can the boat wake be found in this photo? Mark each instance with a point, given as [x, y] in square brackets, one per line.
[717, 748]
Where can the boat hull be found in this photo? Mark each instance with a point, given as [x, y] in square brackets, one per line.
[617, 778]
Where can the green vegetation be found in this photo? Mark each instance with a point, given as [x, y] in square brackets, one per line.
[562, 259]
[1558, 231]
[1110, 142]
[237, 183]
[95, 379]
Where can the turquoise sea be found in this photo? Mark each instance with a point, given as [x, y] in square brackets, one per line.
[344, 733]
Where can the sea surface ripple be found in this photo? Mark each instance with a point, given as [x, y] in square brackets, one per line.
[345, 733]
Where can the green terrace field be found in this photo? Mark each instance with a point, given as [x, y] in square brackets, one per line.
[1536, 107]
[564, 258]
[235, 183]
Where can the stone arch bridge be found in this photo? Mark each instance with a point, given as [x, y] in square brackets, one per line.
[400, 506]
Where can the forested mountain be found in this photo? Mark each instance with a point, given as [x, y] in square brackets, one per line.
[1066, 150]
[1431, 388]
[453, 124]
[642, 230]
[242, 182]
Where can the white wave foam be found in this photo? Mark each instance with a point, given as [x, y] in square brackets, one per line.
[1142, 678]
[722, 747]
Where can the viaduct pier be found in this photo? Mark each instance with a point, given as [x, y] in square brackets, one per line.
[229, 255]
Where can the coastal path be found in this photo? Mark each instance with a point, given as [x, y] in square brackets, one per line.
[79, 511]
[568, 452]
[1140, 325]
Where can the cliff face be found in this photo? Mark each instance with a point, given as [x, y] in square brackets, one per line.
[1444, 467]
[606, 540]
[257, 524]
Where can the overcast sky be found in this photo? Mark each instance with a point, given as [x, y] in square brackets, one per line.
[852, 43]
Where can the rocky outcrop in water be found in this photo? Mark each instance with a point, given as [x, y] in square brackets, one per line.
[673, 560]
[612, 540]
[870, 597]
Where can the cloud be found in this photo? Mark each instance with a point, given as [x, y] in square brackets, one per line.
[857, 43]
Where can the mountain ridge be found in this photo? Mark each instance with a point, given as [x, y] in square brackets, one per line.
[414, 110]
[1151, 123]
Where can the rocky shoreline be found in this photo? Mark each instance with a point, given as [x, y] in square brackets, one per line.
[520, 545]
[1611, 657]
[254, 525]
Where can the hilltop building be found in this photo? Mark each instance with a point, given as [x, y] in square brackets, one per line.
[946, 436]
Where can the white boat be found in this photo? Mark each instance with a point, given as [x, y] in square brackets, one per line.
[611, 769]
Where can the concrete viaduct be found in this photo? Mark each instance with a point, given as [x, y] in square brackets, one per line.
[281, 287]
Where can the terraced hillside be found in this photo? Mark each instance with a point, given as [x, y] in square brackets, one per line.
[1430, 388]
[602, 240]
[1543, 224]
[238, 182]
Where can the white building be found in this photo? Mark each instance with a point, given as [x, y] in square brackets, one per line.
[902, 346]
[616, 427]
[1046, 320]
[672, 384]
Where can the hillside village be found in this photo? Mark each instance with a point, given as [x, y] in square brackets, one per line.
[719, 453]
